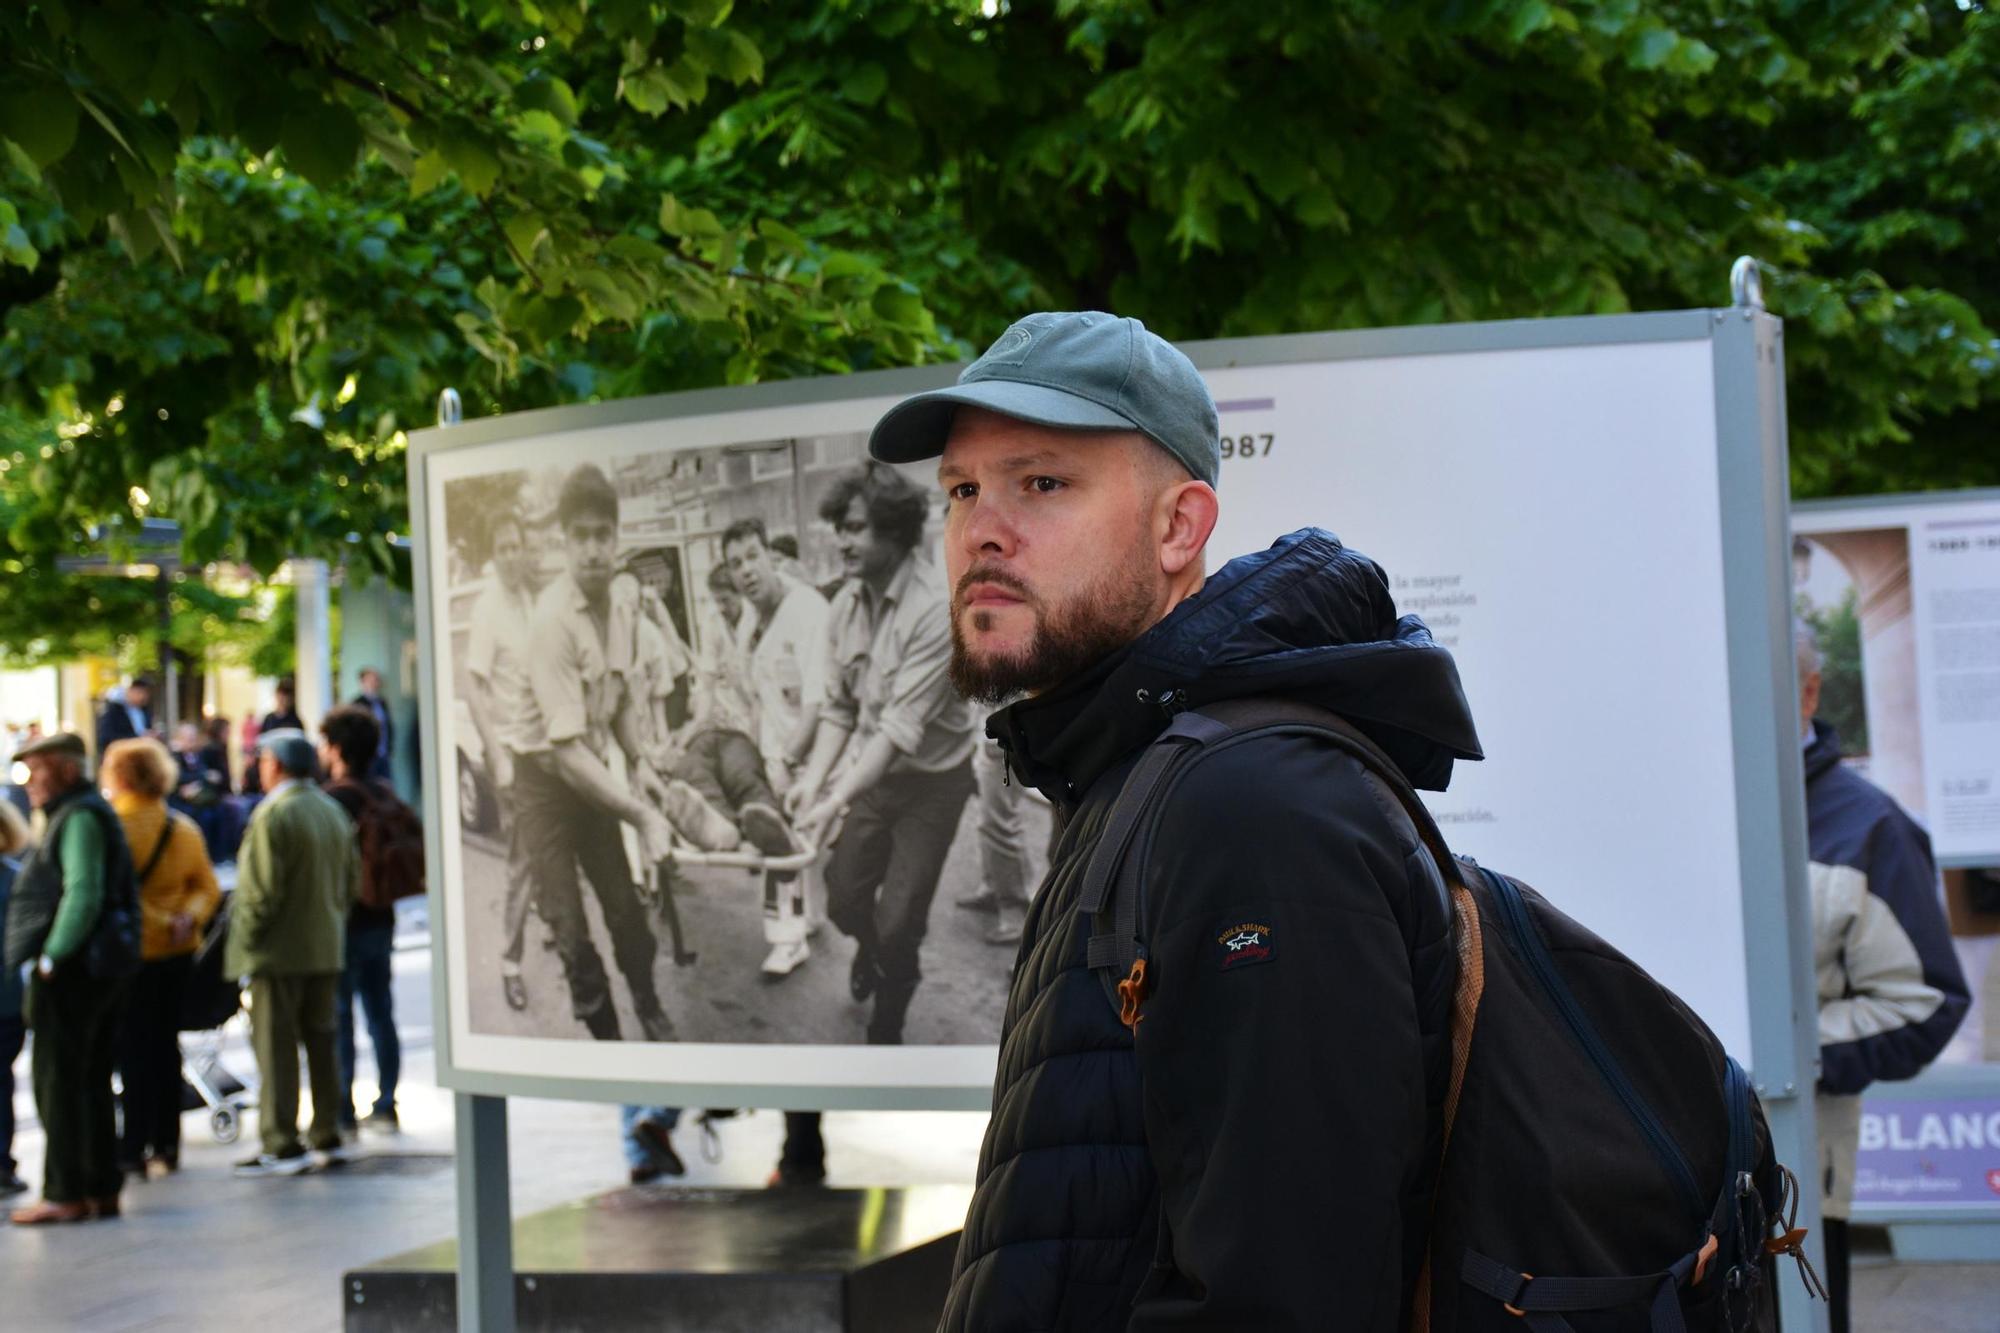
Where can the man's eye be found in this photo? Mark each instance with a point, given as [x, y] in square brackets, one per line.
[1044, 485]
[965, 490]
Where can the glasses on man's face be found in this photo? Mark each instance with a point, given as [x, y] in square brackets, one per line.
[852, 527]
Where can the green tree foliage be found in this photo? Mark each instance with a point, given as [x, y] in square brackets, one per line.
[244, 242]
[1842, 701]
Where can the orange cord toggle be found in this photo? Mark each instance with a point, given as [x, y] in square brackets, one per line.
[1708, 1249]
[1788, 1243]
[1132, 994]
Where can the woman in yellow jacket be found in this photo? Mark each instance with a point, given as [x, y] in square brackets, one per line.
[177, 896]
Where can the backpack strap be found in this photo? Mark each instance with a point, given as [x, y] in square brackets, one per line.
[159, 851]
[1112, 880]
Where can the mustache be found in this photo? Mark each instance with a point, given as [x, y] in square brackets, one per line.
[999, 578]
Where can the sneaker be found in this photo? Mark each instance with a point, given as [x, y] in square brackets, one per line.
[784, 959]
[659, 1142]
[767, 830]
[12, 1184]
[268, 1164]
[382, 1120]
[698, 821]
[331, 1159]
[982, 901]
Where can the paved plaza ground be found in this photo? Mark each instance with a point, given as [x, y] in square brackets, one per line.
[205, 1250]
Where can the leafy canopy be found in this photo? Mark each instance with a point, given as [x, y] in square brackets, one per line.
[244, 242]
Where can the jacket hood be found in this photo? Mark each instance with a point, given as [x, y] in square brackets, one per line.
[1307, 619]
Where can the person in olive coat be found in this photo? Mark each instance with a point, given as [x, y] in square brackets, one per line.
[297, 875]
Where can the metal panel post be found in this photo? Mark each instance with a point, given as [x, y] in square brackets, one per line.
[485, 1222]
[1770, 775]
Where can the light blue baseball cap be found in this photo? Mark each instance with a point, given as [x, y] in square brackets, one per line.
[1071, 370]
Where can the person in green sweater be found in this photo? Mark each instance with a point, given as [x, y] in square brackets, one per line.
[298, 873]
[58, 898]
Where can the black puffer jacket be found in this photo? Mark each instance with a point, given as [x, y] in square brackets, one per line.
[1260, 1157]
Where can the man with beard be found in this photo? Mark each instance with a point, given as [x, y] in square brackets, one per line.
[902, 736]
[567, 799]
[502, 703]
[1257, 1149]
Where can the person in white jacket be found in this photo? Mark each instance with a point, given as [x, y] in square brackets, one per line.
[1891, 991]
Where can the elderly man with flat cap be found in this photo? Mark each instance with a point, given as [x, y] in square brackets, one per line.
[297, 875]
[80, 865]
[1249, 1138]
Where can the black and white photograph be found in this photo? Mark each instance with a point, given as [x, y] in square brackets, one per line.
[713, 784]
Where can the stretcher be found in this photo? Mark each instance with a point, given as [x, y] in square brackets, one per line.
[686, 856]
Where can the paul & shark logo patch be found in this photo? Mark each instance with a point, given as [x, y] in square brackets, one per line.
[1244, 944]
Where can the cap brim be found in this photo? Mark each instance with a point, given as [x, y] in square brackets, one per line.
[915, 429]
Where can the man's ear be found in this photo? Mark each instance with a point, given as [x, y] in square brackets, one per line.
[1187, 513]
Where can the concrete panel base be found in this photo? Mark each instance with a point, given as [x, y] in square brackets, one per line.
[718, 1261]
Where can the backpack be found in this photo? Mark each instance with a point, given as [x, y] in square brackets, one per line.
[114, 951]
[1645, 1192]
[392, 847]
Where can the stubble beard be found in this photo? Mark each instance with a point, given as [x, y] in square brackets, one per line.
[1106, 615]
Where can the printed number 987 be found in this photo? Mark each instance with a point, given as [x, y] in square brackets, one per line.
[1247, 446]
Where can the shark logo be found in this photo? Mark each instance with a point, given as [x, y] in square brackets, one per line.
[1244, 943]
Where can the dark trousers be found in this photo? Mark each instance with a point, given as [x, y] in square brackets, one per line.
[367, 977]
[1838, 1270]
[149, 1061]
[805, 1150]
[288, 1011]
[727, 769]
[884, 869]
[12, 1033]
[561, 831]
[75, 1017]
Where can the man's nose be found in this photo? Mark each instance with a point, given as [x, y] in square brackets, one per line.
[988, 528]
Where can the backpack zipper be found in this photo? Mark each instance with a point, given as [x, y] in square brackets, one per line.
[1543, 965]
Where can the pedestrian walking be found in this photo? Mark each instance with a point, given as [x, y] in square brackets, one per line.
[15, 840]
[349, 751]
[76, 877]
[177, 896]
[297, 875]
[381, 766]
[1891, 991]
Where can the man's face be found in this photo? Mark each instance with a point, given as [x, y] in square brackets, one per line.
[863, 553]
[269, 774]
[49, 776]
[139, 696]
[751, 568]
[187, 737]
[371, 682]
[510, 556]
[590, 541]
[1050, 548]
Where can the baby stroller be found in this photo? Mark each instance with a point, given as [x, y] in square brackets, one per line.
[211, 1001]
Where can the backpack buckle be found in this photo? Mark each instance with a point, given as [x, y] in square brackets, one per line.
[1516, 1310]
